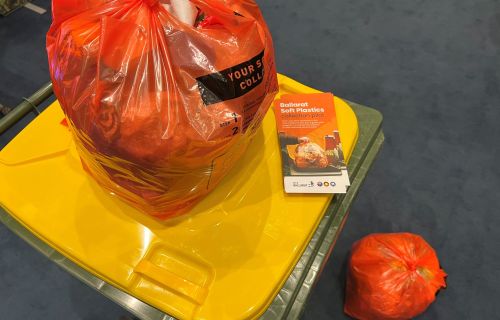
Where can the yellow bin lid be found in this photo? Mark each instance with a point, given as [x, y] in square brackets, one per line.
[227, 259]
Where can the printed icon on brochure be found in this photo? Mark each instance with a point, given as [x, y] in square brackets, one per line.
[333, 184]
[326, 184]
[311, 184]
[320, 184]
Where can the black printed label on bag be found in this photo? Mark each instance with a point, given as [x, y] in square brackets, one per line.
[233, 82]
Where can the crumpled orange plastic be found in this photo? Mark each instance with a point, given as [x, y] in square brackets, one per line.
[127, 75]
[392, 276]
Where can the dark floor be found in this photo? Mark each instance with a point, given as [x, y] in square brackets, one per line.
[431, 67]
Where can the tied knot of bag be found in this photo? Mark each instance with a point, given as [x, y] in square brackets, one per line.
[151, 3]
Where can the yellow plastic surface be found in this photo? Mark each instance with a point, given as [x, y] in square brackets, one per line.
[227, 259]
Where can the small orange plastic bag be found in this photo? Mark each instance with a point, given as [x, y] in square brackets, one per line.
[162, 97]
[392, 276]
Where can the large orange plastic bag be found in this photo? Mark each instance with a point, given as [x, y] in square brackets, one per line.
[392, 276]
[160, 109]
